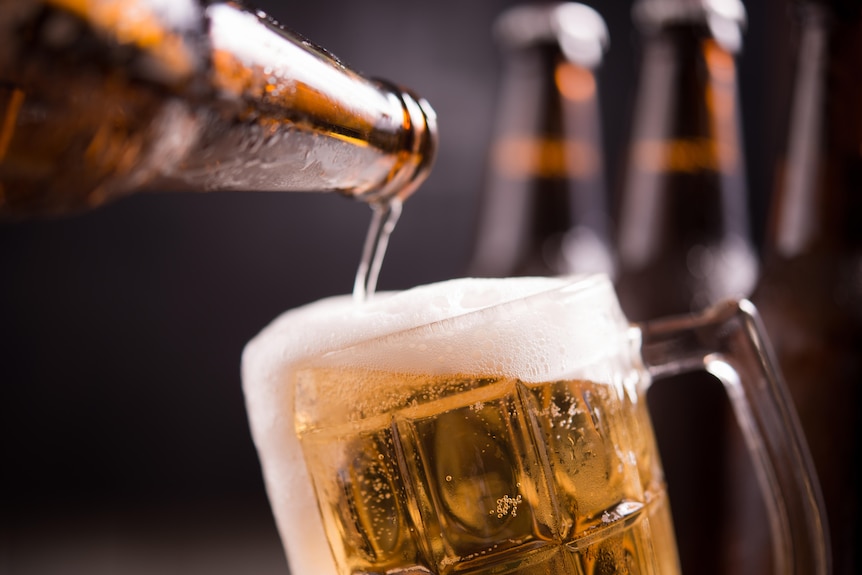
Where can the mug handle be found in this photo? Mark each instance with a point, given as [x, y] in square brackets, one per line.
[728, 341]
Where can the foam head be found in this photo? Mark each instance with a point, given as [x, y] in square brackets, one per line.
[532, 329]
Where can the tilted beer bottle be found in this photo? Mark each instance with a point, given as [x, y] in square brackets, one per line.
[810, 293]
[105, 97]
[684, 238]
[543, 208]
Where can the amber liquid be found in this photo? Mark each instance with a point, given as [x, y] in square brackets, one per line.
[483, 475]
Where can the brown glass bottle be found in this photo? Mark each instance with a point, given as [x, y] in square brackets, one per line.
[810, 292]
[543, 209]
[684, 241]
[684, 238]
[100, 99]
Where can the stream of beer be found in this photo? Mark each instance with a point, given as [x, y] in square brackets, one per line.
[385, 216]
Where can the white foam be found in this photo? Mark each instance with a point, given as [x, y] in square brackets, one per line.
[567, 331]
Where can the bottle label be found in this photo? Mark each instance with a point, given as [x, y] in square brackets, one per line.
[520, 157]
[686, 155]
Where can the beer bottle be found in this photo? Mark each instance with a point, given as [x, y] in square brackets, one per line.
[684, 240]
[542, 211]
[684, 237]
[810, 292]
[102, 98]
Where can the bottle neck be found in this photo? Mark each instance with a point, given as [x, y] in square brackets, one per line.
[279, 80]
[816, 206]
[544, 208]
[686, 149]
[684, 211]
[547, 120]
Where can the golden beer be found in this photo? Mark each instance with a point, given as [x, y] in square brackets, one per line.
[481, 475]
[419, 466]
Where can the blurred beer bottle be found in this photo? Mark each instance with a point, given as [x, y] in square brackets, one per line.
[810, 292]
[543, 209]
[684, 239]
[101, 98]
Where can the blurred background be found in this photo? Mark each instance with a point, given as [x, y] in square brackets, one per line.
[124, 445]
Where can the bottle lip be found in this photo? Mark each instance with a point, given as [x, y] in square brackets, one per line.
[725, 18]
[579, 30]
[420, 148]
[658, 12]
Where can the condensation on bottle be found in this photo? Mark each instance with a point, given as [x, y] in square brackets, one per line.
[104, 98]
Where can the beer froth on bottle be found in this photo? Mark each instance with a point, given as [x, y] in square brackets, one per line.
[450, 436]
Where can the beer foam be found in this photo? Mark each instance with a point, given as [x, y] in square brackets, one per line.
[533, 329]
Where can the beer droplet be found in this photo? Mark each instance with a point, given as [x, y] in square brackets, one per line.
[448, 478]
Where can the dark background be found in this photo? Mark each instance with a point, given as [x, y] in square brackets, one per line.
[124, 446]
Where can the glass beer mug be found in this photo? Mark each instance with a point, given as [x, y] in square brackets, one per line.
[500, 426]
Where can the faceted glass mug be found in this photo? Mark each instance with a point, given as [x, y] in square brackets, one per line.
[500, 426]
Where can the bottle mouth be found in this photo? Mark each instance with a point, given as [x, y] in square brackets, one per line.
[664, 11]
[579, 30]
[725, 18]
[417, 153]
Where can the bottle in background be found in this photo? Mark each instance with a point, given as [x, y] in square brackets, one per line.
[684, 240]
[543, 210]
[810, 292]
[684, 237]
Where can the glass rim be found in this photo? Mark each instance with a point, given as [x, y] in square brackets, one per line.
[393, 350]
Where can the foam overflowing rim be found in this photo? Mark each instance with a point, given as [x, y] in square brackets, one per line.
[572, 284]
[521, 319]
